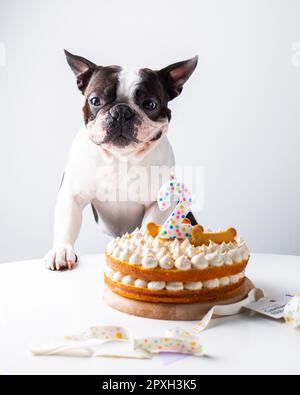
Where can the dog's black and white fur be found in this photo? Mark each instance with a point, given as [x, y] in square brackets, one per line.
[126, 118]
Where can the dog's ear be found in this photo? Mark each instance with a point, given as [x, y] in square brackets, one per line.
[82, 68]
[175, 76]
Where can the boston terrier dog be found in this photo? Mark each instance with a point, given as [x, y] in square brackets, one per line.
[126, 117]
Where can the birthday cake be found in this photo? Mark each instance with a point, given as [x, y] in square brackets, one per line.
[177, 262]
[209, 267]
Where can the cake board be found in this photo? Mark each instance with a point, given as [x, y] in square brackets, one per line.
[169, 311]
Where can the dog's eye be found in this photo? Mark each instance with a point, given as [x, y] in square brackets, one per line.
[95, 101]
[149, 105]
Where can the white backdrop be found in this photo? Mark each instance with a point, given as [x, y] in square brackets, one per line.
[238, 117]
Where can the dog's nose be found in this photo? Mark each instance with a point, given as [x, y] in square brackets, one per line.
[121, 112]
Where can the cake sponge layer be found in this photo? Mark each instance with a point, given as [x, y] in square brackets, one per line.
[165, 296]
[190, 275]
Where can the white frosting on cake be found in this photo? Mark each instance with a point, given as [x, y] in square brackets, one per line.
[215, 259]
[211, 284]
[191, 251]
[128, 280]
[125, 254]
[196, 286]
[224, 281]
[135, 259]
[140, 283]
[200, 261]
[163, 251]
[149, 262]
[166, 262]
[173, 286]
[237, 255]
[139, 248]
[234, 279]
[228, 258]
[109, 272]
[117, 252]
[111, 246]
[183, 263]
[156, 285]
[118, 277]
[158, 245]
[177, 253]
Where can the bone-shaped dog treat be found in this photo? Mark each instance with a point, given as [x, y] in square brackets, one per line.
[153, 228]
[199, 237]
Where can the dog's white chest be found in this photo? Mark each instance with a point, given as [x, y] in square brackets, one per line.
[121, 183]
[121, 191]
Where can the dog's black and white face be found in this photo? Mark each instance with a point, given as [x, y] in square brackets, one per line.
[124, 110]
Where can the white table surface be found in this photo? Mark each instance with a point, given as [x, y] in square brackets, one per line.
[39, 307]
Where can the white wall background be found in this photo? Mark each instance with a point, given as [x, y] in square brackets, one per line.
[239, 116]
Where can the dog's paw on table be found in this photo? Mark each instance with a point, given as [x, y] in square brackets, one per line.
[60, 258]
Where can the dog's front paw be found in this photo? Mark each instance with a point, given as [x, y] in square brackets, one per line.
[60, 258]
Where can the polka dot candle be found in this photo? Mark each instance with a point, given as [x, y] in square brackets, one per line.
[162, 344]
[174, 228]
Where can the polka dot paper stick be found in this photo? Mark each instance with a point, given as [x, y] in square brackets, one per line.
[105, 333]
[174, 228]
[156, 345]
[292, 312]
[219, 310]
[182, 340]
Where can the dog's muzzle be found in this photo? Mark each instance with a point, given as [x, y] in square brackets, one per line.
[121, 113]
[120, 125]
